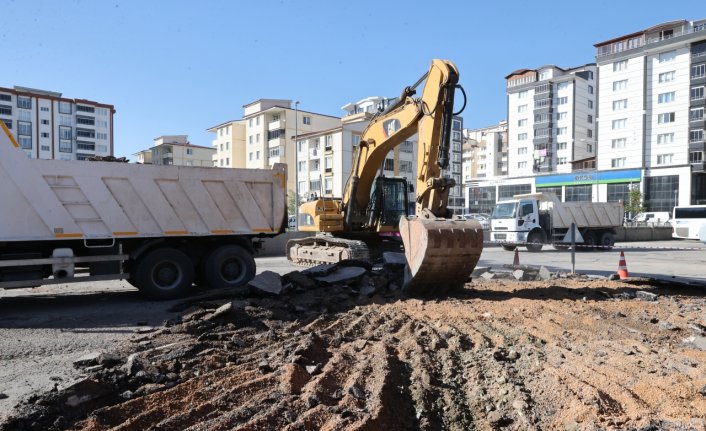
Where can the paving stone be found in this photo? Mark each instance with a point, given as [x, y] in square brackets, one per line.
[646, 296]
[268, 282]
[343, 275]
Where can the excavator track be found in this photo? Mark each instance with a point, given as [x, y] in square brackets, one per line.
[325, 248]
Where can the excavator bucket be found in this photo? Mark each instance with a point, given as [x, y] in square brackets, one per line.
[441, 253]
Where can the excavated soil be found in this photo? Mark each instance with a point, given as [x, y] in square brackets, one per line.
[557, 354]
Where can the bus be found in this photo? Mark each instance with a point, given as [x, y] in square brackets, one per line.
[687, 221]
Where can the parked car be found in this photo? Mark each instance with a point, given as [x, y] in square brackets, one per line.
[483, 219]
[651, 218]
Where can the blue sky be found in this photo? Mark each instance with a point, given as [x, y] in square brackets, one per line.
[179, 67]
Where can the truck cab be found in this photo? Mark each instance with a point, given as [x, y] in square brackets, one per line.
[513, 220]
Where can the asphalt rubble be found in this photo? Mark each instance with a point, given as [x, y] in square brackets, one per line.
[215, 324]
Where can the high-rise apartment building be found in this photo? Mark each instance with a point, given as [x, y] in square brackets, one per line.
[551, 118]
[457, 202]
[49, 126]
[176, 150]
[484, 159]
[265, 135]
[651, 112]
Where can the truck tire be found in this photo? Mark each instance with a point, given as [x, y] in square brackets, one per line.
[229, 266]
[164, 273]
[589, 241]
[607, 241]
[535, 242]
[509, 247]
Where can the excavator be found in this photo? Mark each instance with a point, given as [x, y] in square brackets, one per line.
[441, 250]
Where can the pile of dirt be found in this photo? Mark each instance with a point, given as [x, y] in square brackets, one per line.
[301, 353]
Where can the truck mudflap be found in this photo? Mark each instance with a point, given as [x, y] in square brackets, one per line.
[441, 253]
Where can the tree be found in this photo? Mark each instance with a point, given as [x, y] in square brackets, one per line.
[292, 204]
[634, 205]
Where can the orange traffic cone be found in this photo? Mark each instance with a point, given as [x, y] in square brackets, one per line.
[516, 260]
[622, 267]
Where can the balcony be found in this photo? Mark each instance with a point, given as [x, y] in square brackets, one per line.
[314, 152]
[277, 124]
[276, 142]
[697, 167]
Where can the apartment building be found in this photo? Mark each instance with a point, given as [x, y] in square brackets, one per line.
[551, 118]
[176, 150]
[485, 158]
[47, 125]
[265, 135]
[651, 112]
[457, 202]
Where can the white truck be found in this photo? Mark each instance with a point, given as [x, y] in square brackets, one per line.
[162, 228]
[536, 219]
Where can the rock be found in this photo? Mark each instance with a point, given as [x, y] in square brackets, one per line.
[3, 396]
[148, 388]
[357, 392]
[513, 355]
[313, 369]
[237, 341]
[84, 391]
[299, 279]
[87, 359]
[312, 401]
[518, 274]
[132, 365]
[702, 391]
[320, 270]
[495, 417]
[394, 259]
[544, 274]
[613, 277]
[696, 341]
[479, 270]
[108, 359]
[343, 275]
[268, 282]
[645, 296]
[264, 367]
[487, 275]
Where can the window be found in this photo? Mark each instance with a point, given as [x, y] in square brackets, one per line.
[45, 148]
[257, 121]
[257, 155]
[389, 165]
[65, 108]
[561, 131]
[88, 121]
[561, 116]
[24, 128]
[561, 161]
[102, 111]
[696, 114]
[667, 117]
[66, 121]
[227, 146]
[83, 145]
[406, 166]
[619, 124]
[617, 163]
[590, 118]
[590, 89]
[65, 146]
[696, 157]
[522, 137]
[664, 159]
[522, 94]
[301, 166]
[65, 132]
[589, 148]
[666, 77]
[274, 152]
[589, 133]
[250, 139]
[521, 165]
[590, 104]
[618, 192]
[82, 108]
[45, 122]
[620, 104]
[250, 122]
[23, 115]
[315, 185]
[257, 137]
[24, 102]
[620, 85]
[522, 108]
[250, 156]
[5, 110]
[562, 85]
[507, 191]
[456, 125]
[545, 74]
[665, 138]
[618, 143]
[522, 150]
[542, 118]
[542, 133]
[580, 193]
[102, 136]
[697, 71]
[697, 93]
[189, 151]
[328, 164]
[221, 147]
[25, 142]
[521, 123]
[85, 133]
[659, 192]
[45, 134]
[356, 141]
[620, 65]
[667, 56]
[696, 135]
[5, 97]
[328, 142]
[665, 97]
[562, 145]
[590, 75]
[328, 186]
[306, 120]
[102, 148]
[562, 100]
[8, 123]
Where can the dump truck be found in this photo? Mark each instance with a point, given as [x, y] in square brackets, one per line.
[162, 228]
[538, 219]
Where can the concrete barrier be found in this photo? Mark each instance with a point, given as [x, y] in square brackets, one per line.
[277, 246]
[643, 233]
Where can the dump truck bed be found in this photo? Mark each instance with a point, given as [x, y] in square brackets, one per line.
[52, 199]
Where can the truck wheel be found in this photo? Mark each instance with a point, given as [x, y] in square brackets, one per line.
[509, 247]
[164, 273]
[607, 240]
[534, 243]
[229, 266]
[589, 241]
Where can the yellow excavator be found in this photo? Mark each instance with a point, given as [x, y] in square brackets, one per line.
[441, 250]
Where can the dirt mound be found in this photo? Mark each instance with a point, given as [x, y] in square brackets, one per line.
[565, 353]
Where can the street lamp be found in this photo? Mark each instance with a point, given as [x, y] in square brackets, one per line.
[296, 160]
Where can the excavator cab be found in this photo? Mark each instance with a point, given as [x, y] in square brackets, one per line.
[388, 202]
